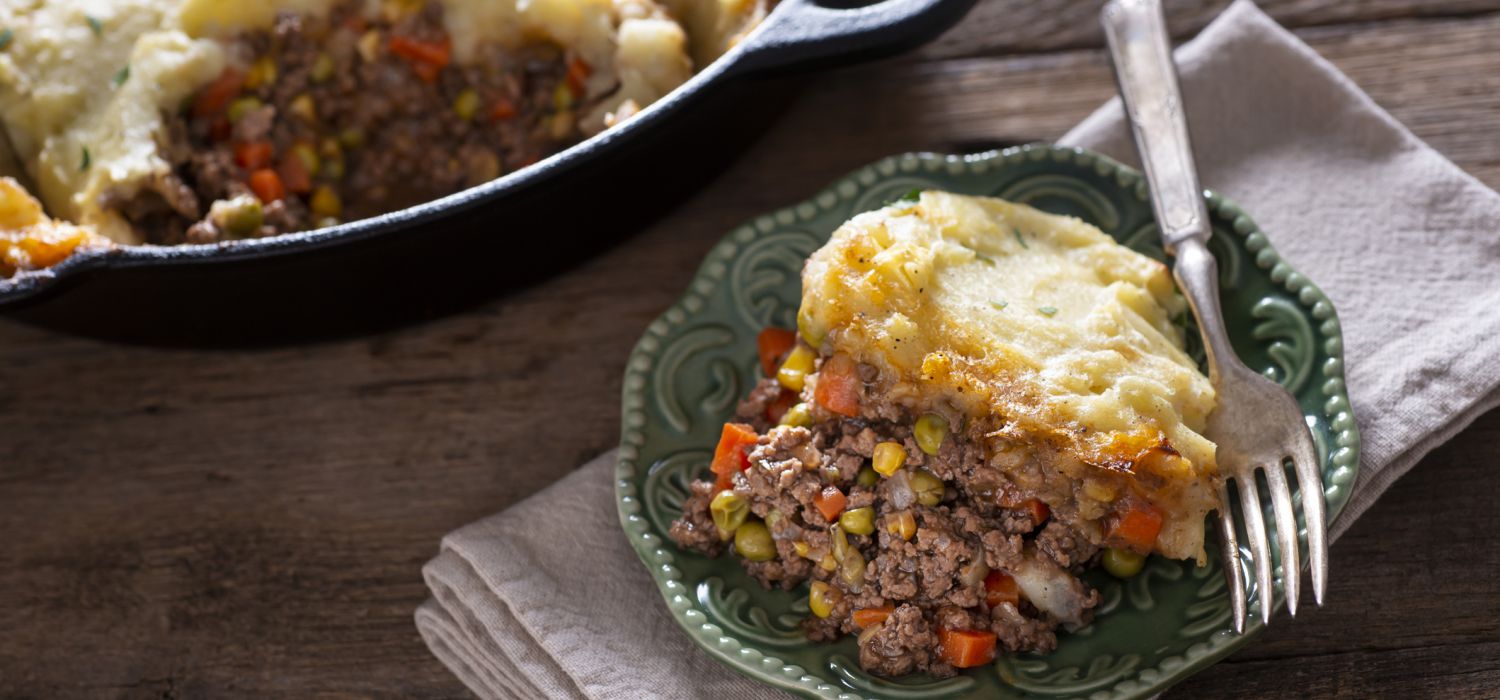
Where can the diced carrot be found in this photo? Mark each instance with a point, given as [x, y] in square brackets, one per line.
[215, 97]
[1137, 528]
[730, 456]
[434, 52]
[254, 155]
[428, 58]
[999, 588]
[295, 175]
[773, 344]
[503, 109]
[865, 618]
[1039, 510]
[838, 386]
[266, 185]
[967, 648]
[428, 72]
[578, 72]
[830, 502]
[778, 406]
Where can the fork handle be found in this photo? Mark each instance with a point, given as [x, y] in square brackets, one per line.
[1142, 52]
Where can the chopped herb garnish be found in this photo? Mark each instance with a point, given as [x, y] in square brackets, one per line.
[95, 25]
[984, 258]
[121, 76]
[87, 159]
[998, 304]
[1049, 310]
[911, 196]
[1017, 233]
[5, 36]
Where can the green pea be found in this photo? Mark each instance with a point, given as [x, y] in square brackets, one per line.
[929, 488]
[753, 541]
[352, 137]
[729, 511]
[322, 68]
[1122, 563]
[929, 432]
[466, 105]
[852, 570]
[867, 478]
[799, 415]
[840, 546]
[238, 217]
[858, 521]
[242, 106]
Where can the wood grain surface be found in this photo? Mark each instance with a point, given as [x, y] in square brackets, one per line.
[180, 524]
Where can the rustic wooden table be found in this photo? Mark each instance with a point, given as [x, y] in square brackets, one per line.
[178, 524]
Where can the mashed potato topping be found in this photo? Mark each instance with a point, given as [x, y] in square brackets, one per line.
[999, 310]
[29, 239]
[88, 88]
[83, 85]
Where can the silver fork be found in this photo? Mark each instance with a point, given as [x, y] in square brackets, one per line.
[1258, 425]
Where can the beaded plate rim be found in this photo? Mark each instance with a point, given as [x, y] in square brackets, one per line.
[655, 552]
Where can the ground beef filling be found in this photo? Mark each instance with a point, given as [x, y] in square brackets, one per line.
[941, 561]
[338, 118]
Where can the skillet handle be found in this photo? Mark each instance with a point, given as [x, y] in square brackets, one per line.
[802, 34]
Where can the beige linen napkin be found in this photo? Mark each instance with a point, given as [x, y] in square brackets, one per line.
[547, 600]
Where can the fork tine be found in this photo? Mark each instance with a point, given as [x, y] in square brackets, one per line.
[1233, 573]
[1260, 548]
[1310, 483]
[1286, 533]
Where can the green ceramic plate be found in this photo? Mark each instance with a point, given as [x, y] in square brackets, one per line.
[698, 359]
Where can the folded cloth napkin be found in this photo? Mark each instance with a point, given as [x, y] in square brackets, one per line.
[1405, 243]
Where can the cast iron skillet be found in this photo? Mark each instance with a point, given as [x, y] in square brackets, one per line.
[430, 259]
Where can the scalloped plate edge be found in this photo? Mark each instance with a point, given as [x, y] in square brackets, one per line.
[1341, 466]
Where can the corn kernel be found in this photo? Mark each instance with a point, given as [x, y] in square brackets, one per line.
[808, 328]
[889, 456]
[902, 524]
[562, 97]
[1099, 490]
[822, 598]
[466, 105]
[802, 548]
[369, 45]
[303, 107]
[794, 371]
[262, 72]
[326, 202]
